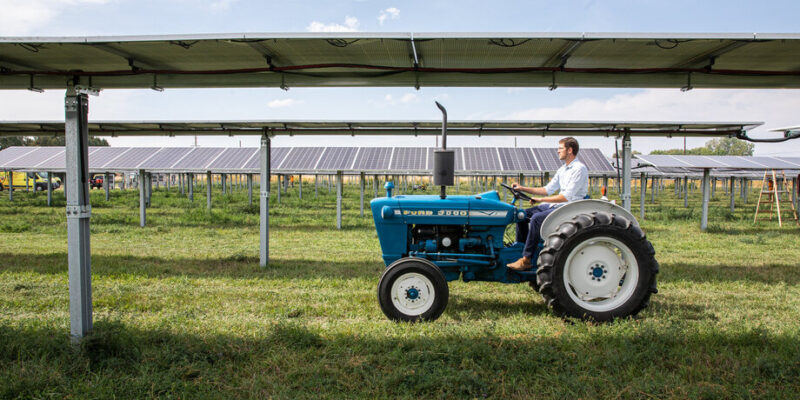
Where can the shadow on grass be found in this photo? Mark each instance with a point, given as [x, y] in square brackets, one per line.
[767, 274]
[287, 359]
[235, 266]
[239, 266]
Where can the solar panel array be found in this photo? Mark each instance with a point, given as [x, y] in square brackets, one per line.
[300, 159]
[719, 162]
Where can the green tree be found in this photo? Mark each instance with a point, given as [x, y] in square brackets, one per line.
[727, 146]
[44, 141]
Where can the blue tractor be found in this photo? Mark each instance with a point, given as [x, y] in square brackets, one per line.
[595, 262]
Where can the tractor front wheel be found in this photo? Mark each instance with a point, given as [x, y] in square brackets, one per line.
[597, 266]
[412, 289]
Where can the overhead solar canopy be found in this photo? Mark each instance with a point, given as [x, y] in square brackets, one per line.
[394, 160]
[718, 162]
[676, 60]
[464, 128]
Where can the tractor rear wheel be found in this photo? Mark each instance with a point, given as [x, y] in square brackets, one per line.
[597, 266]
[412, 289]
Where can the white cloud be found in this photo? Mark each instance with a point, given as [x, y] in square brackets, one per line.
[774, 107]
[350, 25]
[20, 17]
[389, 13]
[404, 99]
[283, 103]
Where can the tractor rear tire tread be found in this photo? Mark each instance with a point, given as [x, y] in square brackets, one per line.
[568, 235]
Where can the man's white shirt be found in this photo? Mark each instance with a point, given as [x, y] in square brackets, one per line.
[572, 180]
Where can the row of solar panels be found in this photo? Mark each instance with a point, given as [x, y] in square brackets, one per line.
[720, 162]
[640, 166]
[299, 159]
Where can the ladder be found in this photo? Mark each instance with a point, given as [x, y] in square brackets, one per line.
[772, 187]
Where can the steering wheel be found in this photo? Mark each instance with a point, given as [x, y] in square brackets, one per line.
[517, 194]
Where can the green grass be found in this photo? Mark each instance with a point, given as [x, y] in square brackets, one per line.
[182, 310]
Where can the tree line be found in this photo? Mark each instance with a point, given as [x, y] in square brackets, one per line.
[44, 141]
[715, 147]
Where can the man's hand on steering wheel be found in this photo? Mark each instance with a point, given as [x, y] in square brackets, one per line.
[514, 189]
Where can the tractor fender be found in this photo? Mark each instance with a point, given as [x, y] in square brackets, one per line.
[573, 208]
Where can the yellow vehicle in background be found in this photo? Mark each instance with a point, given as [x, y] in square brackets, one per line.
[36, 181]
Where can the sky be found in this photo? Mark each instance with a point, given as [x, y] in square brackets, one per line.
[776, 108]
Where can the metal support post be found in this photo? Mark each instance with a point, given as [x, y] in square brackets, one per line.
[149, 178]
[653, 188]
[250, 189]
[265, 149]
[107, 185]
[685, 192]
[181, 181]
[316, 185]
[49, 189]
[375, 186]
[713, 183]
[706, 190]
[76, 107]
[11, 186]
[733, 196]
[190, 181]
[300, 186]
[338, 199]
[224, 179]
[280, 189]
[142, 201]
[362, 193]
[626, 171]
[208, 190]
[642, 194]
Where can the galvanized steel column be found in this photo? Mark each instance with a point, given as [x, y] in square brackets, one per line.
[208, 190]
[685, 192]
[11, 185]
[300, 186]
[49, 189]
[250, 188]
[264, 201]
[626, 171]
[149, 187]
[190, 181]
[280, 189]
[338, 199]
[733, 196]
[224, 181]
[706, 190]
[316, 185]
[375, 186]
[362, 193]
[78, 213]
[642, 194]
[106, 184]
[142, 200]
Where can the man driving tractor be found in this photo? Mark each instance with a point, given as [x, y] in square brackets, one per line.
[572, 182]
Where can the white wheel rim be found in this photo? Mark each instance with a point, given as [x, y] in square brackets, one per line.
[601, 274]
[413, 294]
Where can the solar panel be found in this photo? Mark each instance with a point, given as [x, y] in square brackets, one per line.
[302, 158]
[233, 158]
[458, 155]
[103, 155]
[373, 158]
[337, 158]
[165, 158]
[771, 163]
[548, 159]
[410, 159]
[594, 160]
[277, 155]
[37, 157]
[12, 153]
[132, 158]
[517, 159]
[790, 160]
[199, 158]
[481, 159]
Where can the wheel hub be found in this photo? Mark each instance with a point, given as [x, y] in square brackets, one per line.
[412, 293]
[598, 271]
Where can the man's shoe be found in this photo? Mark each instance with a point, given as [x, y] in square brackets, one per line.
[523, 264]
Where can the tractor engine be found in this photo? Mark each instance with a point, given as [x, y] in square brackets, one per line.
[437, 238]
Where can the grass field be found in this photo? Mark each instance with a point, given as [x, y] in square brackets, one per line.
[182, 310]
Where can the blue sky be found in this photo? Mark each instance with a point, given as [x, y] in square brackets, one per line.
[127, 17]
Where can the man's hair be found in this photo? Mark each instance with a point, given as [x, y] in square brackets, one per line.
[570, 143]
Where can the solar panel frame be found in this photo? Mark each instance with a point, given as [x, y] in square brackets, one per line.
[481, 159]
[547, 157]
[103, 155]
[517, 159]
[33, 159]
[11, 154]
[232, 158]
[410, 159]
[198, 159]
[302, 159]
[337, 158]
[595, 161]
[373, 159]
[165, 158]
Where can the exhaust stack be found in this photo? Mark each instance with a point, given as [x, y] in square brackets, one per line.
[443, 160]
